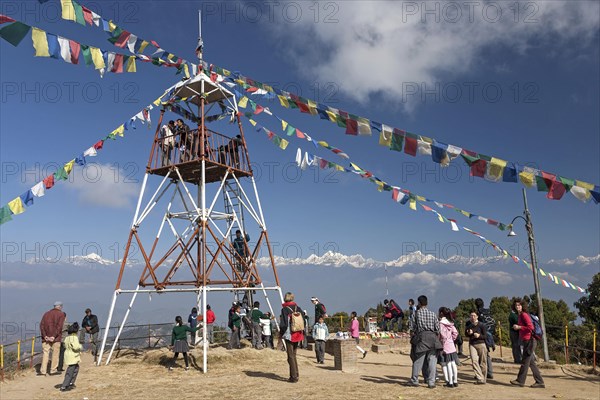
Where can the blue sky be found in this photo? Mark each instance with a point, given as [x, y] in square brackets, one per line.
[534, 99]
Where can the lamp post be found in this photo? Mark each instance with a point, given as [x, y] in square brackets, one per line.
[534, 269]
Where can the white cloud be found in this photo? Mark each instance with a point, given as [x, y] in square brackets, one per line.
[462, 280]
[104, 185]
[380, 47]
[23, 285]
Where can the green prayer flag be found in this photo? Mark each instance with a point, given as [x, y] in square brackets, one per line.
[61, 175]
[290, 130]
[397, 141]
[277, 140]
[293, 104]
[341, 121]
[14, 32]
[469, 159]
[5, 215]
[78, 13]
[567, 183]
[87, 55]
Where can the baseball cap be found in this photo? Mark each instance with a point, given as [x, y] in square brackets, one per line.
[58, 303]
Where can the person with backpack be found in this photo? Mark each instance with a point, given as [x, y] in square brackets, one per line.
[527, 336]
[485, 317]
[513, 319]
[355, 333]
[393, 314]
[291, 329]
[320, 310]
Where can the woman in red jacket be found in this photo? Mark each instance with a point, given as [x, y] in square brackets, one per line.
[525, 329]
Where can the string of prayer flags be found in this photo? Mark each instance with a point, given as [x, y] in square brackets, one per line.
[450, 153]
[398, 195]
[19, 204]
[491, 168]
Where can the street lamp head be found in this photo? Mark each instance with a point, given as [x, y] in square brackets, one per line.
[511, 233]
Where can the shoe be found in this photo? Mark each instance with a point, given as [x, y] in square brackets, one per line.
[187, 368]
[430, 386]
[170, 368]
[449, 385]
[538, 386]
[517, 383]
[490, 376]
[40, 374]
[292, 380]
[72, 386]
[455, 384]
[365, 354]
[60, 370]
[410, 384]
[479, 382]
[55, 373]
[63, 389]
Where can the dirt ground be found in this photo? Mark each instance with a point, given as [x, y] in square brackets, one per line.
[262, 374]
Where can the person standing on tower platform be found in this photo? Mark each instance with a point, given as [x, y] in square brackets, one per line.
[240, 244]
[182, 131]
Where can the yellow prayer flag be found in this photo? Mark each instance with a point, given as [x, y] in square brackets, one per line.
[226, 72]
[283, 101]
[322, 143]
[119, 131]
[253, 122]
[421, 198]
[111, 26]
[339, 168]
[16, 206]
[243, 102]
[385, 137]
[186, 70]
[69, 166]
[68, 12]
[143, 46]
[157, 101]
[585, 185]
[331, 115]
[284, 125]
[527, 178]
[268, 88]
[40, 42]
[541, 271]
[413, 204]
[97, 58]
[312, 110]
[465, 213]
[379, 186]
[131, 65]
[440, 218]
[496, 168]
[283, 144]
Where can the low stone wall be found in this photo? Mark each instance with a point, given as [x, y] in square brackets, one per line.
[396, 344]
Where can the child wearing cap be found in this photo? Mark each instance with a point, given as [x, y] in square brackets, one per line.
[72, 357]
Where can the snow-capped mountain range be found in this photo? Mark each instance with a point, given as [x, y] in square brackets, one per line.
[334, 259]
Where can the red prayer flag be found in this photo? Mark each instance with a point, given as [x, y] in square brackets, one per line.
[213, 77]
[478, 168]
[351, 127]
[75, 47]
[99, 145]
[118, 64]
[270, 135]
[155, 44]
[303, 107]
[300, 134]
[259, 109]
[87, 15]
[251, 89]
[4, 19]
[49, 181]
[556, 189]
[122, 40]
[410, 146]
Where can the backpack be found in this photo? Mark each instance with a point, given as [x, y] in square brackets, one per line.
[537, 328]
[486, 319]
[296, 321]
[395, 310]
